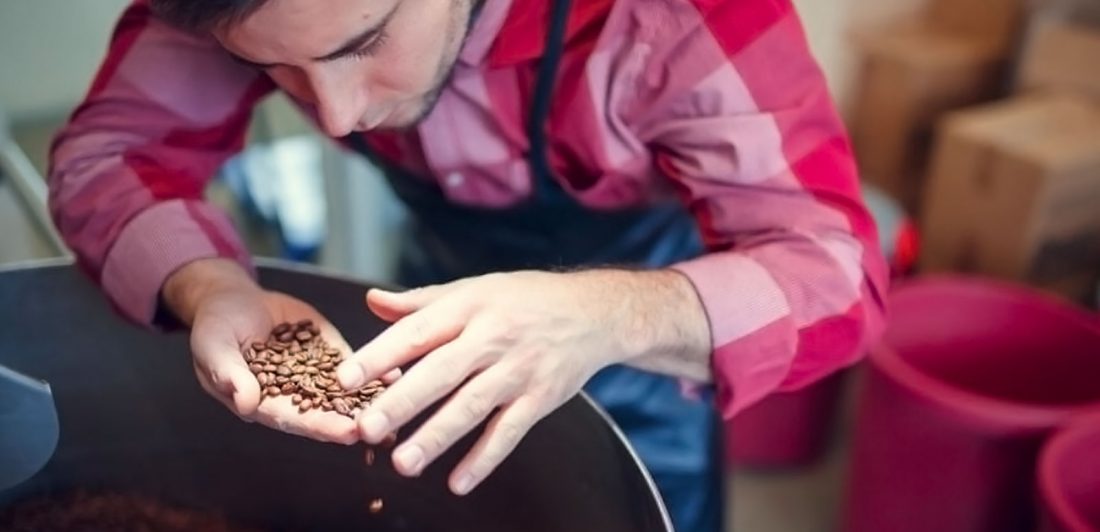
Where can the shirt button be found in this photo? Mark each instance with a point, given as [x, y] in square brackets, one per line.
[454, 179]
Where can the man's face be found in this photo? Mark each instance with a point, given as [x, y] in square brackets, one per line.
[363, 64]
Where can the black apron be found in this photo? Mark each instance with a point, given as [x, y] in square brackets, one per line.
[678, 438]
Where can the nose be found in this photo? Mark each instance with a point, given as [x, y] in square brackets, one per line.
[339, 100]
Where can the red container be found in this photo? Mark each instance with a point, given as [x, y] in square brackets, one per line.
[786, 430]
[971, 376]
[1069, 479]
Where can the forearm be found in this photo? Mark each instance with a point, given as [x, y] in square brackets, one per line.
[661, 323]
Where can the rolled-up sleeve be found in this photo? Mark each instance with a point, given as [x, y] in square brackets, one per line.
[128, 171]
[740, 119]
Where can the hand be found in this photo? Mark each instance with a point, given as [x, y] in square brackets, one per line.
[522, 342]
[227, 310]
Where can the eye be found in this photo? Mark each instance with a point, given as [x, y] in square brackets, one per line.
[372, 47]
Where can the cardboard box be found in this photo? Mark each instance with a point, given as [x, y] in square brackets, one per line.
[910, 76]
[1061, 56]
[998, 21]
[1014, 192]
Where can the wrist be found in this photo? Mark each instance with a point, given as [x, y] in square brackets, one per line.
[663, 317]
[185, 289]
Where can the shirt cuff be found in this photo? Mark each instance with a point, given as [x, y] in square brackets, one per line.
[156, 243]
[752, 332]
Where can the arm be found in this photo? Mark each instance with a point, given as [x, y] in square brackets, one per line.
[126, 182]
[127, 173]
[792, 284]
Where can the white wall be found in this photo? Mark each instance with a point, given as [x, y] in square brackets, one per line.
[49, 50]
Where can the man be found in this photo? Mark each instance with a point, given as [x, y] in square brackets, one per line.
[649, 199]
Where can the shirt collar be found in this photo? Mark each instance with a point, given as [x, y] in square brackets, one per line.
[509, 32]
[487, 23]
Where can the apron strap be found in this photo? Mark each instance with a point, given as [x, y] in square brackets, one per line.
[544, 90]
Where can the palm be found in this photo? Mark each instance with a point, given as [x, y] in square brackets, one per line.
[231, 320]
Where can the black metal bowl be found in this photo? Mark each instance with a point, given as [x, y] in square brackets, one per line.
[133, 418]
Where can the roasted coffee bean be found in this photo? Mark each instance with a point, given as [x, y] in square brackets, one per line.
[286, 337]
[303, 368]
[376, 506]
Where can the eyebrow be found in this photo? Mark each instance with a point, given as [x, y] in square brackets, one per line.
[349, 47]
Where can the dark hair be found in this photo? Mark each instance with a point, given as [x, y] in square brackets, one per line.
[203, 15]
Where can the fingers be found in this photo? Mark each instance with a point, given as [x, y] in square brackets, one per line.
[223, 371]
[501, 437]
[392, 306]
[429, 380]
[464, 411]
[409, 338]
[392, 376]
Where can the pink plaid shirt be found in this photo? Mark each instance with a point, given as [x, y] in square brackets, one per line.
[717, 102]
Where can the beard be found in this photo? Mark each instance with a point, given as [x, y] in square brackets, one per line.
[465, 14]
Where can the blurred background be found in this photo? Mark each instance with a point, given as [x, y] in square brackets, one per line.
[977, 128]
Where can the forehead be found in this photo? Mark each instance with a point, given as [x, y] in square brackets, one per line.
[303, 27]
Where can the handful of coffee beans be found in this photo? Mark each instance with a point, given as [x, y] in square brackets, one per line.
[296, 361]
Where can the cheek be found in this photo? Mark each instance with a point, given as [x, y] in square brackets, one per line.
[414, 59]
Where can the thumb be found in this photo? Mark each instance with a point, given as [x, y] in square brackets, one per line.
[227, 373]
[392, 306]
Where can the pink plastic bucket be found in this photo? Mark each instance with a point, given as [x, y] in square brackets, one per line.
[971, 376]
[1069, 479]
[786, 430]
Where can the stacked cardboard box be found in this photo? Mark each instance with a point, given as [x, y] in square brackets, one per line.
[1014, 192]
[910, 76]
[954, 54]
[1014, 187]
[1061, 56]
[996, 21]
